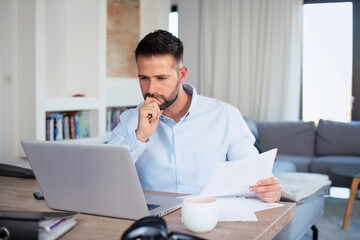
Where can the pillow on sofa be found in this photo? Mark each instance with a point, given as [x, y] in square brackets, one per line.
[288, 137]
[338, 138]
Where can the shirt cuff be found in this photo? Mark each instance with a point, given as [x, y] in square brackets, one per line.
[136, 147]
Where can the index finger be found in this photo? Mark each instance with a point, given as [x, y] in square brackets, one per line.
[268, 181]
[149, 100]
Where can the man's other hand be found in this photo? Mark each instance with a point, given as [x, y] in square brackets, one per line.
[268, 190]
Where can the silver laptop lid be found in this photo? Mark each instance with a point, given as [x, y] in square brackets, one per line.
[90, 178]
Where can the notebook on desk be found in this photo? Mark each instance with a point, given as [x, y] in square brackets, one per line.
[98, 179]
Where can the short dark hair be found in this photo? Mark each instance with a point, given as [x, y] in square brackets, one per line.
[160, 42]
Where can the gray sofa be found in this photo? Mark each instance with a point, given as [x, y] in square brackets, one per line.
[311, 148]
[306, 153]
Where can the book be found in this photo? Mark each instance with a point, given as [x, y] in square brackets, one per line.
[77, 125]
[108, 119]
[58, 126]
[49, 129]
[113, 116]
[86, 124]
[66, 127]
[36, 225]
[72, 127]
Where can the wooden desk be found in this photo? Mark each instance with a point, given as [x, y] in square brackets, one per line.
[16, 194]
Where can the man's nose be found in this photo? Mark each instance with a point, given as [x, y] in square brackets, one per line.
[152, 86]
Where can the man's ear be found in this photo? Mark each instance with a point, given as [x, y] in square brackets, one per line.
[183, 73]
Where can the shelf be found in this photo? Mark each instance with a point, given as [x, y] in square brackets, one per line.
[63, 49]
[71, 125]
[113, 116]
[71, 104]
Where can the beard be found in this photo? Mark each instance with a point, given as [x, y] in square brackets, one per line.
[167, 101]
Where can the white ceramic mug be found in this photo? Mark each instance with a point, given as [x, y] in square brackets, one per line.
[199, 214]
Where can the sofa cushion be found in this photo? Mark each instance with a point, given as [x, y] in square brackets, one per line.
[288, 137]
[338, 138]
[301, 162]
[298, 186]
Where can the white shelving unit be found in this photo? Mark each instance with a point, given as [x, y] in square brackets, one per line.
[61, 51]
[66, 41]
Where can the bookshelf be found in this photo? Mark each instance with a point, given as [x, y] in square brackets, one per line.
[62, 57]
[61, 52]
[113, 116]
[70, 125]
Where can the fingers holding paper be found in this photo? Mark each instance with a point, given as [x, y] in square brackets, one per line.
[268, 190]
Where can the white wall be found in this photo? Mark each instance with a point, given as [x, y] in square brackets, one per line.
[153, 15]
[8, 97]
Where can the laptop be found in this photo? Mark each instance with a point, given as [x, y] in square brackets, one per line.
[98, 179]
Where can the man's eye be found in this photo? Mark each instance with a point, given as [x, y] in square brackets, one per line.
[143, 78]
[162, 77]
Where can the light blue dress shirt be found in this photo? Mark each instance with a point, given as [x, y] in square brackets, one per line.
[179, 157]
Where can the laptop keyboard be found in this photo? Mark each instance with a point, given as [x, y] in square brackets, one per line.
[152, 206]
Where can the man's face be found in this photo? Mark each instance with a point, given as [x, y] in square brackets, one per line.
[159, 79]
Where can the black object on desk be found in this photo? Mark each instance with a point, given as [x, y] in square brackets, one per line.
[30, 225]
[38, 196]
[15, 171]
[153, 228]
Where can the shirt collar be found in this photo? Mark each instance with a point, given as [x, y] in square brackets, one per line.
[189, 89]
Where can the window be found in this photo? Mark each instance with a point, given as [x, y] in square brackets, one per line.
[174, 21]
[327, 61]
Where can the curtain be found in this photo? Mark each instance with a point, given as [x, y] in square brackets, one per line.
[250, 56]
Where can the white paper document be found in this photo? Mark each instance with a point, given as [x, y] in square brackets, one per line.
[241, 209]
[235, 177]
[230, 182]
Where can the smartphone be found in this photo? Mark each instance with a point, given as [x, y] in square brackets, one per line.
[38, 195]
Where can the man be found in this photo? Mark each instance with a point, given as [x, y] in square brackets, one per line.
[176, 136]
